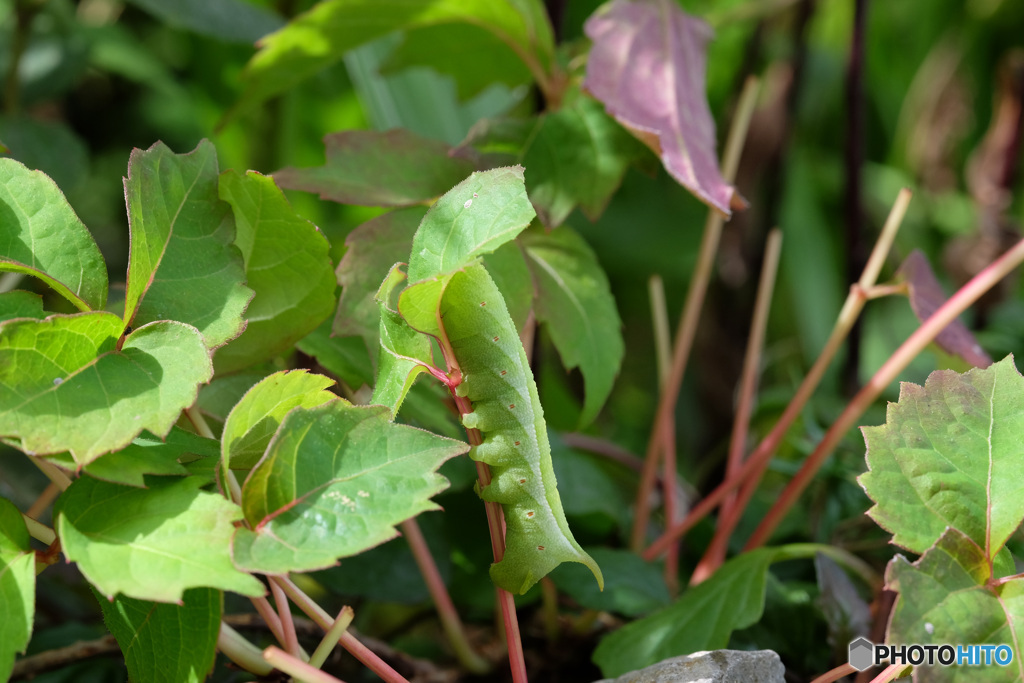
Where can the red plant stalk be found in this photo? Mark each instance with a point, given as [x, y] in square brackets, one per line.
[663, 429]
[887, 374]
[296, 668]
[291, 640]
[442, 601]
[750, 474]
[714, 556]
[348, 641]
[835, 674]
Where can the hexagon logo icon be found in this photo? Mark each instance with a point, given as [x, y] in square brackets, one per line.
[861, 654]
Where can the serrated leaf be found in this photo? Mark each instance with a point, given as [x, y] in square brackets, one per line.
[65, 386]
[575, 301]
[949, 455]
[372, 168]
[20, 304]
[151, 544]
[344, 357]
[181, 264]
[632, 586]
[372, 248]
[926, 297]
[167, 643]
[322, 35]
[228, 20]
[702, 619]
[943, 598]
[40, 235]
[287, 264]
[254, 421]
[219, 397]
[647, 66]
[477, 216]
[455, 49]
[147, 454]
[335, 481]
[404, 352]
[17, 586]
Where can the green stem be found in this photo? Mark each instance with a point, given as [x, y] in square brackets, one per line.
[326, 646]
[347, 640]
[802, 551]
[241, 651]
[446, 611]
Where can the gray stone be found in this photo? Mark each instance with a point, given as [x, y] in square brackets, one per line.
[718, 666]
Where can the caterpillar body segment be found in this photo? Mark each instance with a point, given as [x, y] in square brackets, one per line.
[497, 380]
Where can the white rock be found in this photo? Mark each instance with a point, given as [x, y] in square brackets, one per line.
[718, 666]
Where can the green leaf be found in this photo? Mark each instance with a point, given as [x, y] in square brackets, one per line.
[575, 301]
[576, 155]
[632, 586]
[167, 643]
[702, 619]
[228, 20]
[507, 267]
[335, 481]
[322, 35]
[253, 422]
[154, 543]
[182, 265]
[477, 216]
[404, 352]
[20, 304]
[372, 248]
[219, 397]
[147, 454]
[287, 264]
[371, 168]
[344, 357]
[455, 49]
[943, 598]
[64, 386]
[17, 586]
[40, 235]
[949, 455]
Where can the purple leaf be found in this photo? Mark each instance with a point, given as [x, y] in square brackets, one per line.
[647, 67]
[926, 297]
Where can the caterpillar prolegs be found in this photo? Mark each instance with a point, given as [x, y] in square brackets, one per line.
[497, 380]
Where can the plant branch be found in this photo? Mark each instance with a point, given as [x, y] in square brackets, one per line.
[446, 611]
[270, 617]
[731, 511]
[284, 612]
[347, 640]
[296, 668]
[241, 651]
[887, 374]
[663, 426]
[33, 665]
[326, 646]
[750, 474]
[835, 674]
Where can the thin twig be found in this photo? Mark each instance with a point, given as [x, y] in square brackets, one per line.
[33, 665]
[659, 320]
[49, 494]
[835, 674]
[750, 474]
[716, 551]
[330, 639]
[348, 641]
[273, 621]
[885, 376]
[662, 431]
[284, 612]
[296, 668]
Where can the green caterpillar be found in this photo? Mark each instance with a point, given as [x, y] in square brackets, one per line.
[497, 380]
